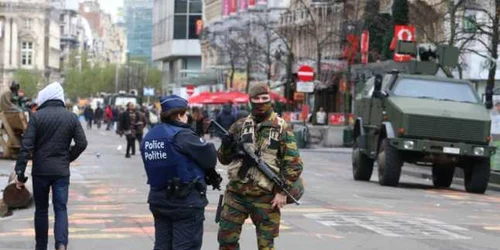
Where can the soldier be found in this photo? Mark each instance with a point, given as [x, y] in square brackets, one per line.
[249, 192]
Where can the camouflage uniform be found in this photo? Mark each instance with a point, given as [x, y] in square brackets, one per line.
[252, 195]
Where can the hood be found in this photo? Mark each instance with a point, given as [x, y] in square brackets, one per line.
[53, 91]
[431, 107]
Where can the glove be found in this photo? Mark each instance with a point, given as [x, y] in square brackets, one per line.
[22, 178]
[213, 179]
[228, 141]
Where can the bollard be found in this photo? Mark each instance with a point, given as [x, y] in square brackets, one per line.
[16, 198]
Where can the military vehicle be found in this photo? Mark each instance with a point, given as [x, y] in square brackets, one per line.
[419, 118]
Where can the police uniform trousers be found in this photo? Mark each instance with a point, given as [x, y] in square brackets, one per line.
[178, 224]
[237, 208]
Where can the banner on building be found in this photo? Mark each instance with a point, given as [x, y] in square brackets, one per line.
[365, 46]
[225, 8]
[243, 5]
[233, 7]
[351, 47]
[251, 4]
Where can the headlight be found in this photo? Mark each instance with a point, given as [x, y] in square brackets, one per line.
[409, 144]
[479, 151]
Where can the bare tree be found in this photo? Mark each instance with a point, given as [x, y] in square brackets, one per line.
[226, 43]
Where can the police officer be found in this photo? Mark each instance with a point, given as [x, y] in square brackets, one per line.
[249, 193]
[179, 165]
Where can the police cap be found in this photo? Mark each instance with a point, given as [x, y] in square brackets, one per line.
[171, 102]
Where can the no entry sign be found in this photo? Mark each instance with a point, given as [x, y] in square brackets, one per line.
[305, 73]
[190, 90]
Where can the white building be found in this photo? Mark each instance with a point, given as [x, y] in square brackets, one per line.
[24, 25]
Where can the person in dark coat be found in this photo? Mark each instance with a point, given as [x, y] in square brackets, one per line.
[128, 126]
[242, 113]
[179, 165]
[98, 116]
[226, 117]
[88, 113]
[48, 139]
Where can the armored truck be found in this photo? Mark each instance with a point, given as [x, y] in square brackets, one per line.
[425, 120]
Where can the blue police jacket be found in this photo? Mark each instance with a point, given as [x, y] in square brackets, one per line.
[163, 161]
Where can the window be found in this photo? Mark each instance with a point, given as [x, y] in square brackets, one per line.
[195, 7]
[192, 26]
[27, 53]
[470, 24]
[180, 27]
[62, 29]
[28, 22]
[436, 89]
[61, 18]
[181, 6]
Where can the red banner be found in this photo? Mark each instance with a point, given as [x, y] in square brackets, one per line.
[351, 47]
[225, 8]
[251, 4]
[337, 119]
[243, 5]
[233, 7]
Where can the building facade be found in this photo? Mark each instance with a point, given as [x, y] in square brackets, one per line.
[176, 41]
[108, 44]
[139, 25]
[29, 39]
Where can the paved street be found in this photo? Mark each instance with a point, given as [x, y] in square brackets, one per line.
[108, 210]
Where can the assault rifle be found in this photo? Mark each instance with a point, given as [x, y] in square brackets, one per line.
[260, 164]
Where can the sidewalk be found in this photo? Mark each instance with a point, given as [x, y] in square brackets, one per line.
[415, 171]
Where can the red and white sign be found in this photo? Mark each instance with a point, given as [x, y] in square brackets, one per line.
[338, 119]
[190, 90]
[305, 73]
[403, 33]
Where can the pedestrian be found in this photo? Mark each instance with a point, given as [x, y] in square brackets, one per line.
[321, 116]
[242, 113]
[108, 114]
[179, 165]
[140, 125]
[48, 139]
[226, 117]
[249, 192]
[88, 113]
[127, 126]
[98, 115]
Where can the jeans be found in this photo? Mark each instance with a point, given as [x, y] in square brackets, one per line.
[130, 144]
[139, 137]
[178, 228]
[41, 189]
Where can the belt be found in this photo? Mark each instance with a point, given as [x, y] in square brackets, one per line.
[175, 189]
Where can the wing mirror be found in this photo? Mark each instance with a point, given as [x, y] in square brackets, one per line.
[377, 92]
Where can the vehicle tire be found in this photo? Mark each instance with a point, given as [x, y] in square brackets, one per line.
[389, 165]
[442, 176]
[362, 165]
[477, 176]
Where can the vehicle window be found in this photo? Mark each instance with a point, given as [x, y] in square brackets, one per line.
[369, 86]
[435, 89]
